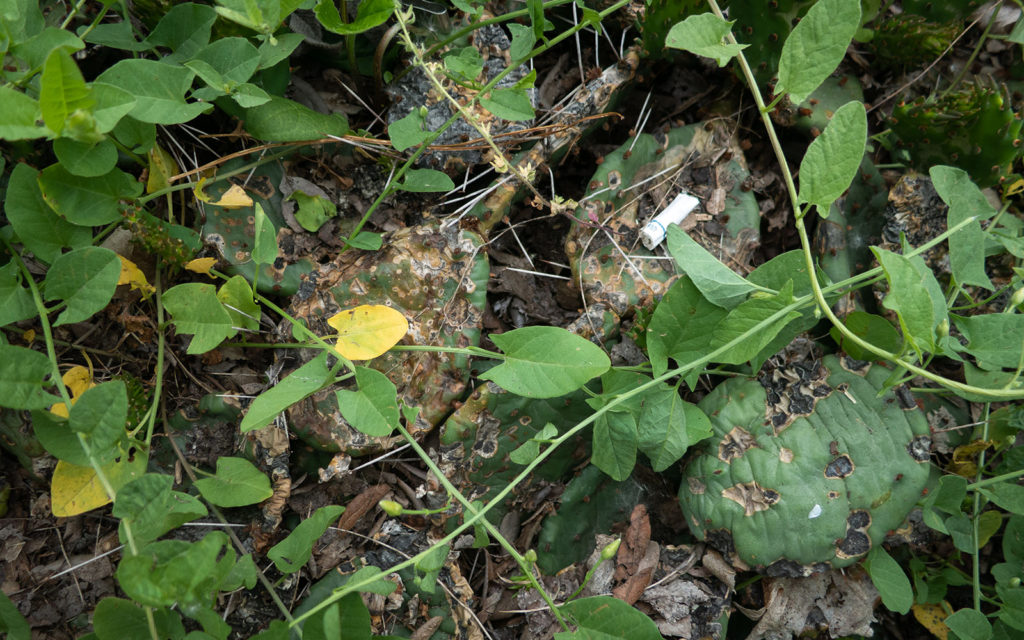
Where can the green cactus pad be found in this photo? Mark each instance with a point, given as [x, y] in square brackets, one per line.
[975, 129]
[636, 182]
[808, 467]
[438, 280]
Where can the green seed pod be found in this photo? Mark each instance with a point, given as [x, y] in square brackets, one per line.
[391, 508]
[808, 467]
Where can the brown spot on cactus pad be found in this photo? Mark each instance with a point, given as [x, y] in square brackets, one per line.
[752, 497]
[734, 444]
[840, 467]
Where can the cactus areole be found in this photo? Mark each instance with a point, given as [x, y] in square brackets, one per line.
[808, 466]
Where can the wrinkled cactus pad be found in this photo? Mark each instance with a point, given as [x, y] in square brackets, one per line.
[808, 466]
[437, 278]
[477, 439]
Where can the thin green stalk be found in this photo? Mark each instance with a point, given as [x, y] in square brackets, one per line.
[979, 503]
[491, 529]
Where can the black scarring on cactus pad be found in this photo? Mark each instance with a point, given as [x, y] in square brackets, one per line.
[808, 466]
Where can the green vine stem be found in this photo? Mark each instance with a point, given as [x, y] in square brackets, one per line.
[823, 305]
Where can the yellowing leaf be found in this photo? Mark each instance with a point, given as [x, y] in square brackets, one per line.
[933, 618]
[367, 331]
[234, 198]
[161, 167]
[75, 490]
[29, 336]
[201, 265]
[78, 380]
[132, 275]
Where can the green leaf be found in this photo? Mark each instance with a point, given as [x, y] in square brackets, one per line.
[21, 116]
[117, 35]
[603, 617]
[948, 498]
[273, 52]
[969, 624]
[833, 158]
[11, 621]
[373, 409]
[509, 103]
[100, 415]
[744, 320]
[87, 201]
[966, 246]
[523, 40]
[37, 225]
[668, 425]
[367, 240]
[545, 362]
[159, 90]
[16, 302]
[85, 279]
[995, 339]
[702, 35]
[526, 452]
[284, 120]
[816, 46]
[196, 310]
[313, 210]
[302, 382]
[379, 583]
[719, 284]
[464, 64]
[87, 160]
[55, 436]
[233, 59]
[62, 90]
[38, 48]
[175, 572]
[916, 297]
[874, 329]
[237, 483]
[184, 29]
[151, 508]
[265, 249]
[115, 618]
[370, 14]
[112, 104]
[615, 442]
[237, 298]
[426, 181]
[680, 326]
[1007, 495]
[347, 618]
[890, 580]
[292, 553]
[247, 95]
[408, 131]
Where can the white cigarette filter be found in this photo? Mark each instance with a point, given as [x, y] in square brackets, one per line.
[654, 231]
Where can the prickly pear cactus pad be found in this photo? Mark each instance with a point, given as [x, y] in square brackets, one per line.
[635, 183]
[438, 280]
[808, 466]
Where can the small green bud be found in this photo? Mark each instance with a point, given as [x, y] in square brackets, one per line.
[530, 556]
[423, 111]
[611, 549]
[1014, 582]
[391, 508]
[943, 329]
[1017, 298]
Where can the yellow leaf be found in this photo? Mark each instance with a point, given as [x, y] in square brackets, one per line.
[29, 336]
[367, 331]
[201, 265]
[75, 490]
[933, 618]
[234, 198]
[199, 193]
[132, 275]
[161, 167]
[78, 380]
